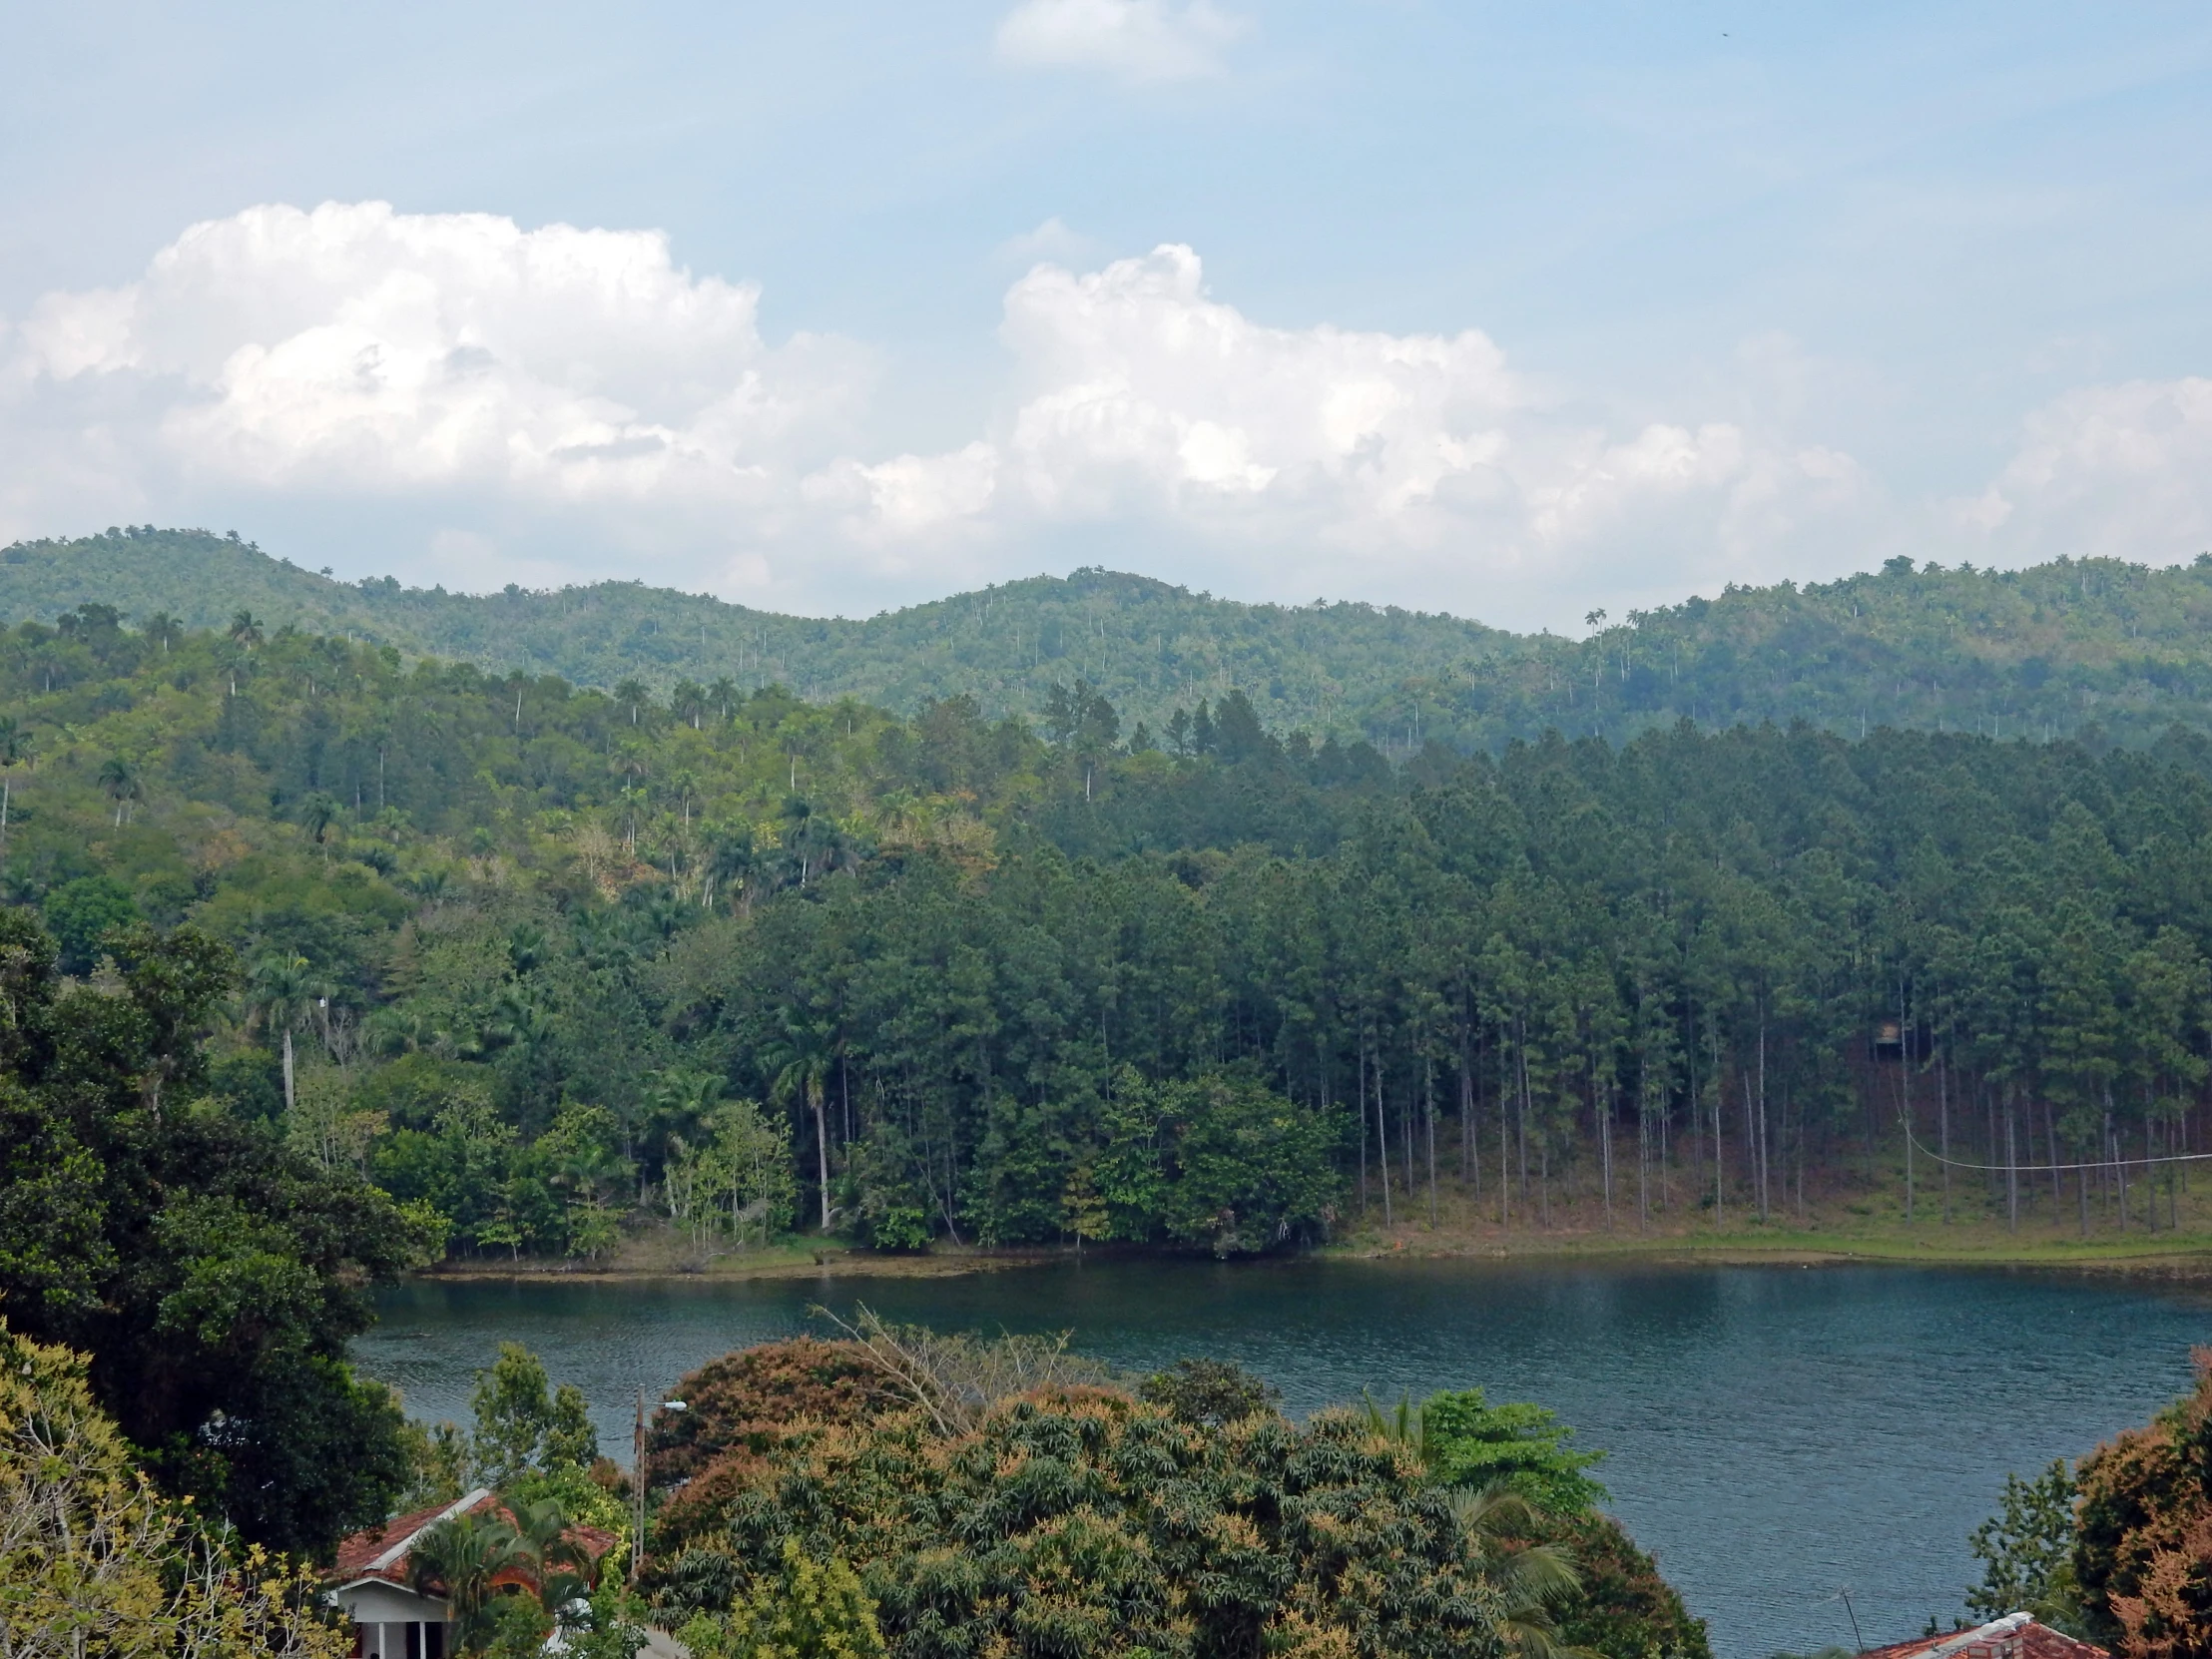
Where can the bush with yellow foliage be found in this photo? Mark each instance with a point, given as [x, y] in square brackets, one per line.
[94, 1561]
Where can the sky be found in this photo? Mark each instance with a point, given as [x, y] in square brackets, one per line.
[1518, 312]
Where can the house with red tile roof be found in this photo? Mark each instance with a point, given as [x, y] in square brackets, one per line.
[372, 1581]
[2016, 1636]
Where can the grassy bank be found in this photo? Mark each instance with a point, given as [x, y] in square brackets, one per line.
[1833, 1234]
[1855, 1222]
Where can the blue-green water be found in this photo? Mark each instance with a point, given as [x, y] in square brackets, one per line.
[1776, 1435]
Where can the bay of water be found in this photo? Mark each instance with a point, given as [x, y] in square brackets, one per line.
[1776, 1435]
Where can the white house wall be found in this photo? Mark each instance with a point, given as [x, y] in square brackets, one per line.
[375, 1603]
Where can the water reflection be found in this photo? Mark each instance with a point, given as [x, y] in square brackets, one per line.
[1775, 1434]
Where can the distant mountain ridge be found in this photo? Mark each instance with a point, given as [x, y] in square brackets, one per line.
[2055, 650]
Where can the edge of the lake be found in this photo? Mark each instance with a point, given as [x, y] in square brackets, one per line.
[2171, 1259]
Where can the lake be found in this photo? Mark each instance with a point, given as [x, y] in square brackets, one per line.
[1776, 1435]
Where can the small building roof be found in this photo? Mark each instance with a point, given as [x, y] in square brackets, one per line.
[2016, 1636]
[379, 1553]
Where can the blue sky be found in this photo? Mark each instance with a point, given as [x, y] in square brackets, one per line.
[1514, 312]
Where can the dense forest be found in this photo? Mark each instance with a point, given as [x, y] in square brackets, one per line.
[554, 967]
[2074, 647]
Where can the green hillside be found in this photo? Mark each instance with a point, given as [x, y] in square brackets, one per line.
[2050, 651]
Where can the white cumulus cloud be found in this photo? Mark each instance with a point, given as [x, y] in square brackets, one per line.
[1423, 462]
[358, 351]
[2119, 470]
[456, 398]
[1140, 40]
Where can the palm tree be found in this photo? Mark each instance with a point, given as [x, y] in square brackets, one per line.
[398, 1032]
[632, 692]
[687, 702]
[724, 692]
[562, 1567]
[281, 991]
[458, 1558]
[518, 1023]
[161, 625]
[317, 813]
[686, 784]
[629, 764]
[245, 630]
[802, 1061]
[121, 780]
[427, 883]
[799, 815]
[1403, 1424]
[730, 859]
[677, 1102]
[1531, 1580]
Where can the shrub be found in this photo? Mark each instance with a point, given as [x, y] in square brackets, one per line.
[1077, 1521]
[80, 912]
[746, 1401]
[2143, 1550]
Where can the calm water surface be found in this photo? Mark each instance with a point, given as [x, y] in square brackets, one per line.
[1775, 1434]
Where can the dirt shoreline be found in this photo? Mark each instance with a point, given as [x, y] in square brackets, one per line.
[2188, 1259]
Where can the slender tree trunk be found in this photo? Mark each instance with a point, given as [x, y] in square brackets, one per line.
[1469, 1166]
[1690, 1095]
[288, 1100]
[2081, 1195]
[1643, 1156]
[2057, 1180]
[822, 1149]
[1406, 1117]
[1694, 1098]
[1751, 1144]
[2012, 1168]
[1909, 1194]
[2119, 1171]
[2173, 1192]
[1942, 1121]
[1428, 1116]
[1505, 1149]
[1801, 1139]
[1362, 1095]
[1989, 1113]
[1382, 1141]
[1764, 1164]
[1522, 1137]
[1720, 1144]
[1605, 1156]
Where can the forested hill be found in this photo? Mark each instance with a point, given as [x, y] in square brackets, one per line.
[2073, 648]
[559, 968]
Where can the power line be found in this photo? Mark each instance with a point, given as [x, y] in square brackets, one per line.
[2047, 1169]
